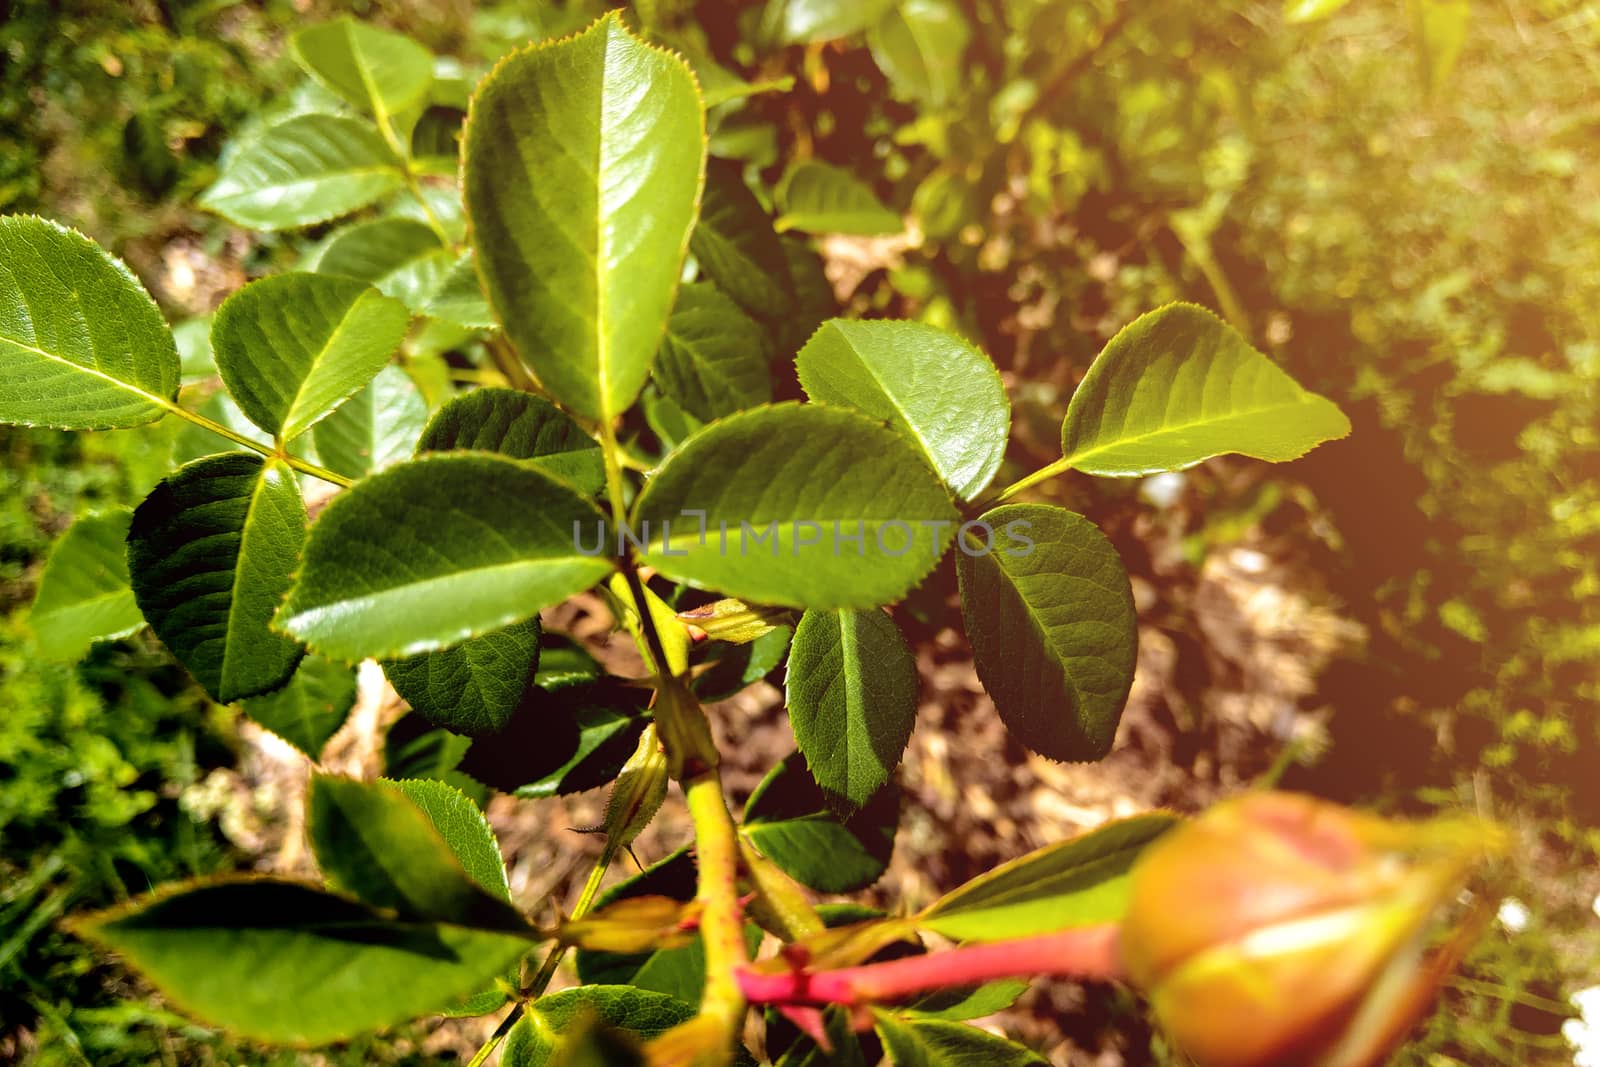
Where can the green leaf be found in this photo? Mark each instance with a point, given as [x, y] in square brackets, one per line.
[499, 546]
[193, 338]
[670, 423]
[519, 425]
[211, 551]
[583, 165]
[1050, 615]
[376, 428]
[932, 386]
[920, 46]
[82, 345]
[84, 595]
[675, 972]
[373, 842]
[462, 825]
[937, 1043]
[776, 477]
[311, 708]
[820, 198]
[739, 665]
[472, 688]
[401, 258]
[712, 361]
[1310, 10]
[306, 169]
[1178, 386]
[789, 820]
[608, 731]
[374, 69]
[736, 246]
[810, 21]
[959, 1005]
[534, 1040]
[814, 297]
[1077, 882]
[281, 962]
[459, 297]
[292, 347]
[852, 693]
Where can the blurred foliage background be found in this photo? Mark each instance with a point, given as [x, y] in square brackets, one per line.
[1398, 199]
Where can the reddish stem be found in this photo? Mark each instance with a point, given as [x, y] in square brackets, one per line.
[1086, 952]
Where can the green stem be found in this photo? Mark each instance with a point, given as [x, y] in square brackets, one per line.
[547, 970]
[304, 466]
[722, 1006]
[402, 152]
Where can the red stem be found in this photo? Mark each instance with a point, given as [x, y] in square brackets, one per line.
[1086, 952]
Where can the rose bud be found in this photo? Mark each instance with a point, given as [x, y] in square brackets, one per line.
[1277, 930]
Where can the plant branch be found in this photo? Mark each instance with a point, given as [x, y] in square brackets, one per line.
[1085, 952]
[547, 970]
[304, 466]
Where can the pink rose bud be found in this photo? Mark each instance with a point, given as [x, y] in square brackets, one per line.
[1277, 930]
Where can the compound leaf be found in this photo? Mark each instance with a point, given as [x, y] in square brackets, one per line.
[82, 345]
[281, 962]
[583, 164]
[934, 387]
[805, 506]
[497, 544]
[211, 551]
[852, 693]
[305, 169]
[1049, 611]
[1178, 386]
[84, 594]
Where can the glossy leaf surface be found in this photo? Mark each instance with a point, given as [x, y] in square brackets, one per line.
[82, 345]
[484, 542]
[462, 825]
[292, 347]
[376, 428]
[374, 69]
[306, 169]
[583, 164]
[934, 387]
[472, 688]
[1178, 386]
[400, 257]
[282, 962]
[793, 485]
